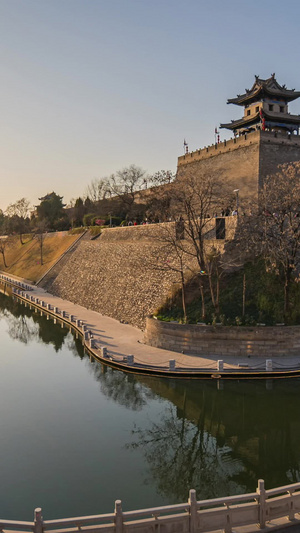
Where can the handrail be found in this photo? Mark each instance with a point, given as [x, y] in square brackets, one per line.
[202, 516]
[8, 524]
[227, 500]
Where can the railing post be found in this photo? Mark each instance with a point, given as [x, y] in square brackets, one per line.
[118, 517]
[262, 503]
[291, 507]
[38, 520]
[269, 365]
[193, 510]
[227, 527]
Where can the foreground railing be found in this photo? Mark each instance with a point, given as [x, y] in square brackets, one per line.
[254, 509]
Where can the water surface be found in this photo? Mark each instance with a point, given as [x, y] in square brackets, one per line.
[76, 435]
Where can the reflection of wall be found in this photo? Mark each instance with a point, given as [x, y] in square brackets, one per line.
[222, 340]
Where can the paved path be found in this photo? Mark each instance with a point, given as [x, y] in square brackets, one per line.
[122, 340]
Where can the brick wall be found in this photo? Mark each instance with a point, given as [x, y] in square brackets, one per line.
[223, 341]
[242, 163]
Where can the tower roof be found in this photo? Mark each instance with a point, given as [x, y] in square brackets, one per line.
[271, 117]
[261, 88]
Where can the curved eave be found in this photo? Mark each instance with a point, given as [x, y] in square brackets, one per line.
[240, 100]
[286, 119]
[241, 122]
[287, 96]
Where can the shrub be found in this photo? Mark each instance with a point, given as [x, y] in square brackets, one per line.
[87, 219]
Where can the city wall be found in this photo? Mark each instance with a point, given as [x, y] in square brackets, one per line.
[243, 162]
[222, 341]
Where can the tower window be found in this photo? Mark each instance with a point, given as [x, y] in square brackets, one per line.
[281, 108]
[248, 111]
[271, 107]
[257, 109]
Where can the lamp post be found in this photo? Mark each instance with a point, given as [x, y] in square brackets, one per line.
[236, 191]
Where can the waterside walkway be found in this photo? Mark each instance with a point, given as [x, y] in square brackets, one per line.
[121, 345]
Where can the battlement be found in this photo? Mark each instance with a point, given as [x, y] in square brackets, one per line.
[248, 139]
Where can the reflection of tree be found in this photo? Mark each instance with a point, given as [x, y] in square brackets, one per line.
[222, 441]
[21, 328]
[122, 388]
[75, 345]
[25, 325]
[49, 332]
[183, 455]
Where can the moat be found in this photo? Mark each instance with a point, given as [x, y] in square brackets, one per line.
[76, 435]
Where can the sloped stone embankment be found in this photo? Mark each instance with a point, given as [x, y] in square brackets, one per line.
[116, 275]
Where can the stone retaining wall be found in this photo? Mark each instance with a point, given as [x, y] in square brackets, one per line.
[115, 279]
[223, 341]
[121, 274]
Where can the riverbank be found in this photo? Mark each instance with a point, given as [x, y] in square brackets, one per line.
[122, 346]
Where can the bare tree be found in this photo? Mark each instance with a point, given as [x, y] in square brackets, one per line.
[196, 198]
[161, 177]
[125, 183]
[4, 245]
[273, 230]
[168, 254]
[41, 235]
[99, 189]
[18, 213]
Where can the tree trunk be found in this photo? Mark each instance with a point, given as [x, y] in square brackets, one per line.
[21, 239]
[244, 295]
[183, 297]
[4, 261]
[218, 294]
[286, 304]
[202, 299]
[212, 294]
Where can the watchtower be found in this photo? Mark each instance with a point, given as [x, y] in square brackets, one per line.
[265, 108]
[264, 138]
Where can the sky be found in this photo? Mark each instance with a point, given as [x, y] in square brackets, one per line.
[89, 87]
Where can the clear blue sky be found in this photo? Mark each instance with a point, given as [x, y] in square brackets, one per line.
[91, 86]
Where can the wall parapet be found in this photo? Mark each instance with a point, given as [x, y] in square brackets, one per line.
[205, 340]
[235, 143]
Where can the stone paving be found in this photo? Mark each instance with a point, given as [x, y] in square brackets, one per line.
[123, 340]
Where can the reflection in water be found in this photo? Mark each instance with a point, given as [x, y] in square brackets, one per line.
[182, 454]
[216, 437]
[222, 441]
[122, 388]
[26, 325]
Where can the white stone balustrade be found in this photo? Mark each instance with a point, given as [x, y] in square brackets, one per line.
[244, 512]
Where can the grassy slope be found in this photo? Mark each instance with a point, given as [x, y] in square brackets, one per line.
[24, 260]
